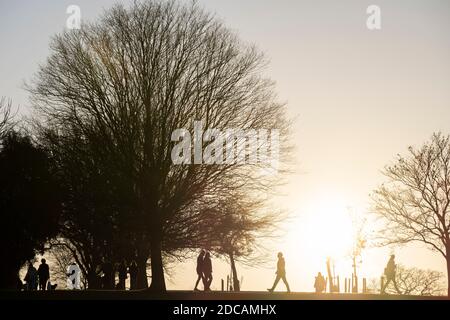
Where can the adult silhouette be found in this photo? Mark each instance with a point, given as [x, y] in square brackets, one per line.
[281, 273]
[122, 275]
[207, 271]
[31, 278]
[133, 271]
[320, 283]
[389, 273]
[108, 275]
[44, 275]
[199, 269]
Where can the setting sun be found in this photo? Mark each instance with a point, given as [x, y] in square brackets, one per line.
[325, 228]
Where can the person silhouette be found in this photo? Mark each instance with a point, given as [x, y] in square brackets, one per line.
[207, 271]
[122, 275]
[199, 269]
[281, 273]
[133, 271]
[108, 275]
[389, 273]
[31, 278]
[44, 275]
[320, 283]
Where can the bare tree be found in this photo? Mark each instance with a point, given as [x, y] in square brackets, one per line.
[414, 203]
[6, 116]
[414, 281]
[360, 237]
[128, 82]
[237, 228]
[62, 256]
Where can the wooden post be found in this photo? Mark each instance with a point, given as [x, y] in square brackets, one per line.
[338, 286]
[352, 285]
[345, 285]
[223, 284]
[228, 283]
[330, 275]
[364, 285]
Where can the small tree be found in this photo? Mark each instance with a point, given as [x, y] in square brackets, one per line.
[359, 224]
[414, 281]
[414, 203]
[236, 226]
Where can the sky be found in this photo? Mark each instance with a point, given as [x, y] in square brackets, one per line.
[358, 96]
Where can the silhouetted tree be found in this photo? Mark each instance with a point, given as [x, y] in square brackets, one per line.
[6, 116]
[129, 81]
[414, 203]
[94, 199]
[360, 237]
[235, 226]
[62, 256]
[29, 204]
[414, 281]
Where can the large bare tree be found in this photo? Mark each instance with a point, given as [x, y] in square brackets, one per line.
[127, 82]
[414, 203]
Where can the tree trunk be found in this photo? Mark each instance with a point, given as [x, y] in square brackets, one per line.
[141, 282]
[236, 285]
[355, 277]
[158, 284]
[448, 273]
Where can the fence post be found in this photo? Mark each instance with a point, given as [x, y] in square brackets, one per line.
[338, 286]
[223, 284]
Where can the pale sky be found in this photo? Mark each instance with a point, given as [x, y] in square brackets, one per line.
[359, 96]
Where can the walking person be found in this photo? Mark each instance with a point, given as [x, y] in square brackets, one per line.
[108, 280]
[199, 269]
[44, 275]
[122, 275]
[207, 272]
[31, 278]
[281, 273]
[133, 271]
[389, 273]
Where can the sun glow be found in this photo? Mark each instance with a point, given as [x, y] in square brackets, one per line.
[326, 228]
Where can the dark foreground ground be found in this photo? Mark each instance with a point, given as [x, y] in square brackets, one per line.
[189, 295]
